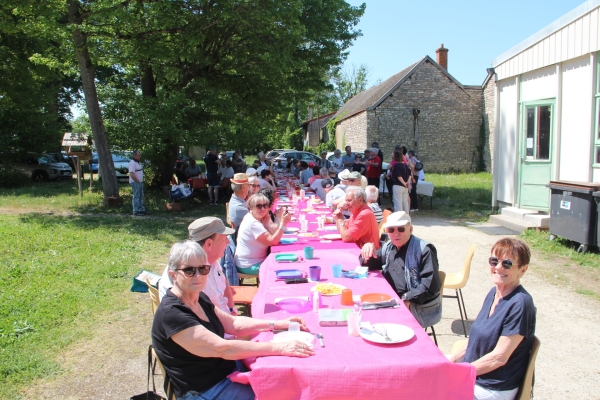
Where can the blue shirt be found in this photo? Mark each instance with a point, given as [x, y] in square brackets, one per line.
[514, 315]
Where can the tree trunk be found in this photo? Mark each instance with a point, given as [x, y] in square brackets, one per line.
[110, 186]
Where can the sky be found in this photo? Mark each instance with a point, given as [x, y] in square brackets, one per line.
[398, 33]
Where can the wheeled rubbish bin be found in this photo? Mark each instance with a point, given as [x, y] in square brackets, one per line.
[573, 212]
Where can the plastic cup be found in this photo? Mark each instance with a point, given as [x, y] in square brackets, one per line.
[308, 254]
[336, 270]
[314, 272]
[294, 327]
[353, 323]
[304, 225]
[346, 299]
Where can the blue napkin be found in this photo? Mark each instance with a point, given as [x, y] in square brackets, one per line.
[288, 240]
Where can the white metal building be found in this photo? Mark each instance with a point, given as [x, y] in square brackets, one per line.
[547, 110]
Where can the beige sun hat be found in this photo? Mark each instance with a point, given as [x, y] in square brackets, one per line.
[207, 226]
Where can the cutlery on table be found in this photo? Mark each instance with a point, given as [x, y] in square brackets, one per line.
[382, 334]
[320, 337]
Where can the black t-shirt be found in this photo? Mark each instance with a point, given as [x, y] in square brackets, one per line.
[186, 370]
[514, 315]
[400, 169]
[357, 167]
[211, 163]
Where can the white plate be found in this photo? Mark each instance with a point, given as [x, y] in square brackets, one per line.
[291, 230]
[398, 333]
[301, 336]
[332, 236]
[312, 289]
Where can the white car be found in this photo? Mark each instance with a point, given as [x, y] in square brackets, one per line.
[121, 163]
[362, 154]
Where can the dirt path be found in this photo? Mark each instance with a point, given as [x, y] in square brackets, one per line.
[113, 365]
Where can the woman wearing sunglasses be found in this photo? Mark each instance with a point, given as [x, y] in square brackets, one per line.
[188, 331]
[255, 237]
[502, 333]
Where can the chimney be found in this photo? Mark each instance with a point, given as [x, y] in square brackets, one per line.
[442, 57]
[310, 112]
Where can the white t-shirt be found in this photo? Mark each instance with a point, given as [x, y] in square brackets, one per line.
[228, 173]
[338, 163]
[316, 186]
[334, 194]
[250, 251]
[215, 286]
[137, 170]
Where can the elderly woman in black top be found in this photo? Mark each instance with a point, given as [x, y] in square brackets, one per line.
[502, 334]
[188, 332]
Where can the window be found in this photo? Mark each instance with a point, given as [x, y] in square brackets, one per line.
[539, 123]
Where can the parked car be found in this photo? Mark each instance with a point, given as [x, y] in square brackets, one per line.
[274, 153]
[121, 162]
[294, 154]
[354, 153]
[43, 167]
[63, 157]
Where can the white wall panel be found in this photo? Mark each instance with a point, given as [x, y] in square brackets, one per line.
[577, 105]
[596, 175]
[539, 84]
[507, 138]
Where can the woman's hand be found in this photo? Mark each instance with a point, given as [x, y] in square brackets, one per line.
[287, 217]
[295, 349]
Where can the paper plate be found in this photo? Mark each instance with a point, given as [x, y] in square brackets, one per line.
[301, 336]
[375, 297]
[396, 332]
[295, 306]
[332, 236]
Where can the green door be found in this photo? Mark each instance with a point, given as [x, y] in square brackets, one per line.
[535, 146]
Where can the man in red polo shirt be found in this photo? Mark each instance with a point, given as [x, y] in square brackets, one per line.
[373, 164]
[362, 226]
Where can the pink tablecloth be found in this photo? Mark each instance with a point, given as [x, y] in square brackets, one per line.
[312, 227]
[350, 367]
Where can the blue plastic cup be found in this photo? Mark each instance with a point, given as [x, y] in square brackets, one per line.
[314, 273]
[336, 269]
[309, 252]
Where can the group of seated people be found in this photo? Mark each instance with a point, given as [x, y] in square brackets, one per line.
[197, 314]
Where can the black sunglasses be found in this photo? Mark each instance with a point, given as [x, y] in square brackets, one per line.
[262, 206]
[191, 271]
[506, 264]
[401, 229]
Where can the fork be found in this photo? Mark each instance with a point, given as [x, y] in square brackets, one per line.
[383, 334]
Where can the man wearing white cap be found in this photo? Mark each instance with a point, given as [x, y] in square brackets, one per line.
[211, 234]
[336, 196]
[410, 266]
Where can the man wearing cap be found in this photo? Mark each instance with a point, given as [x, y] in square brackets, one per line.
[348, 158]
[237, 204]
[136, 180]
[338, 162]
[212, 168]
[324, 162]
[362, 227]
[211, 235]
[410, 266]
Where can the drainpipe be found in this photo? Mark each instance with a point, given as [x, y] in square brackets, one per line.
[495, 174]
[416, 113]
[558, 120]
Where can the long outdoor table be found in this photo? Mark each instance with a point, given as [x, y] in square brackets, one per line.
[350, 367]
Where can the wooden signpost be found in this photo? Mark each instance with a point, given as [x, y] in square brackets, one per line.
[78, 145]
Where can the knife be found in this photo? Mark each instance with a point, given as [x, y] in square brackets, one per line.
[376, 306]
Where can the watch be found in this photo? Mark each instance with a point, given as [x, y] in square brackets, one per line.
[271, 326]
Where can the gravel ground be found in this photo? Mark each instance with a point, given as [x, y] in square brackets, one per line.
[113, 364]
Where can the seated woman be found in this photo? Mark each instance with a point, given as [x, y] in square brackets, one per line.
[254, 236]
[266, 180]
[502, 333]
[188, 331]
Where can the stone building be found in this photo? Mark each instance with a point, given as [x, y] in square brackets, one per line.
[426, 109]
[313, 129]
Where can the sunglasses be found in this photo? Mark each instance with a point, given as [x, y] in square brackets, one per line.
[506, 264]
[262, 206]
[400, 229]
[191, 271]
[256, 186]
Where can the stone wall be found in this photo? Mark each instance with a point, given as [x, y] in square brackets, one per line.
[449, 121]
[352, 132]
[312, 129]
[489, 120]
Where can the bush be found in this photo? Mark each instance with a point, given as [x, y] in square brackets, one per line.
[11, 178]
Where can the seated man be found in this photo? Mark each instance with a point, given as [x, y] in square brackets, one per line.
[318, 187]
[410, 266]
[305, 172]
[336, 196]
[372, 196]
[211, 235]
[362, 227]
[193, 170]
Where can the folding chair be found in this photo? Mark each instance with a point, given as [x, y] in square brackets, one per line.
[526, 389]
[457, 281]
[154, 297]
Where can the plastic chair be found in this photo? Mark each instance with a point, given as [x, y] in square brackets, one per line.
[386, 213]
[526, 389]
[244, 295]
[167, 383]
[442, 276]
[154, 297]
[457, 281]
[227, 216]
[459, 345]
